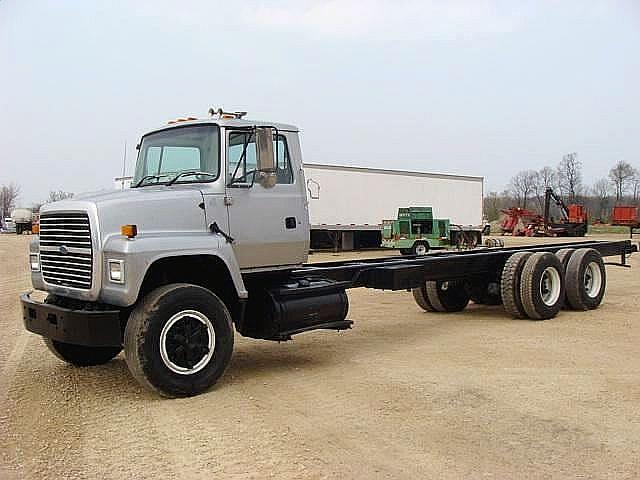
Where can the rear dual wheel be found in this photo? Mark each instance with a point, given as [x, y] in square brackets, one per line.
[586, 279]
[532, 285]
[442, 296]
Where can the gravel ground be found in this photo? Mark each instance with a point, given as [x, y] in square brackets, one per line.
[405, 394]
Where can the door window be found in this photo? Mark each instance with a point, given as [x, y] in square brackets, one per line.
[242, 161]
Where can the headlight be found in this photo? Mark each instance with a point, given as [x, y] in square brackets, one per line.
[34, 261]
[116, 271]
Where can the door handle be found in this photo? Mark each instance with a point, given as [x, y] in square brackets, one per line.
[290, 222]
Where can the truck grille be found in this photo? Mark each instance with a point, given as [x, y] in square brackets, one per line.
[66, 254]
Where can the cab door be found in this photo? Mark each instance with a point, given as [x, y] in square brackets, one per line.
[267, 224]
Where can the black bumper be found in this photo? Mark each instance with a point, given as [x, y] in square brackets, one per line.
[99, 328]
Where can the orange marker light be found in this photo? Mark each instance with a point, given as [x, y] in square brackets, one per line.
[35, 228]
[129, 231]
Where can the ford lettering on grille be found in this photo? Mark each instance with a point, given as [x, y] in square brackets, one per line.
[66, 253]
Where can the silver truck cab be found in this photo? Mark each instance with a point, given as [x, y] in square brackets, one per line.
[218, 209]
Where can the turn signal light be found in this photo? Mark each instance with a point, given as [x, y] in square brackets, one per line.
[35, 228]
[129, 231]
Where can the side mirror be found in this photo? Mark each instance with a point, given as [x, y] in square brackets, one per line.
[264, 145]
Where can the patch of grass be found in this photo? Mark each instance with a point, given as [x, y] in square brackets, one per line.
[607, 229]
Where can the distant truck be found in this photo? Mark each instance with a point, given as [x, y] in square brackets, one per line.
[415, 232]
[23, 219]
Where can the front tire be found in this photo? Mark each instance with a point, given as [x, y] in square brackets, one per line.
[81, 355]
[179, 340]
[420, 248]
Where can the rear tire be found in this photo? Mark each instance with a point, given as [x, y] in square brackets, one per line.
[510, 284]
[447, 295]
[422, 299]
[586, 279]
[179, 340]
[484, 292]
[542, 286]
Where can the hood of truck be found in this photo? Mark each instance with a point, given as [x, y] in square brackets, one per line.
[153, 209]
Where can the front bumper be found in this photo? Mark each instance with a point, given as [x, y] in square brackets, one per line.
[96, 328]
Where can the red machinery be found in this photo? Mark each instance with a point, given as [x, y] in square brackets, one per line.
[574, 219]
[520, 222]
[627, 216]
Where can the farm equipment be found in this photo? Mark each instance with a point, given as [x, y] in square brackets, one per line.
[415, 232]
[627, 216]
[574, 220]
[520, 222]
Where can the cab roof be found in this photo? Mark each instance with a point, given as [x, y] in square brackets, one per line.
[223, 122]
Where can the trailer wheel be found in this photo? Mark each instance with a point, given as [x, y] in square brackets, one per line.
[405, 251]
[422, 299]
[484, 292]
[420, 248]
[178, 340]
[542, 286]
[510, 284]
[447, 295]
[586, 279]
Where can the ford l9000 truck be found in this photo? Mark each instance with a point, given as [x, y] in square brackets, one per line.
[212, 239]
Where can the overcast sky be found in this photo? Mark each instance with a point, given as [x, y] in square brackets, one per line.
[472, 87]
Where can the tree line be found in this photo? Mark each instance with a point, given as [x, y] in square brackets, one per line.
[10, 193]
[526, 189]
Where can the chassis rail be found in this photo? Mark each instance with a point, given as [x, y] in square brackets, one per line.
[399, 273]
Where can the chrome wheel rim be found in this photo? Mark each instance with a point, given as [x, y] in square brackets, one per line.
[550, 284]
[421, 249]
[187, 342]
[592, 279]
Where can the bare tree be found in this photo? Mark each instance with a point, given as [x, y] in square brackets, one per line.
[636, 185]
[601, 190]
[570, 176]
[621, 175]
[523, 186]
[56, 196]
[546, 177]
[8, 196]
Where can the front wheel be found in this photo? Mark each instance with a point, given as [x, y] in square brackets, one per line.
[178, 340]
[420, 248]
[81, 355]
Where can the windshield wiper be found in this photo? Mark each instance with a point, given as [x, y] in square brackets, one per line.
[191, 172]
[146, 177]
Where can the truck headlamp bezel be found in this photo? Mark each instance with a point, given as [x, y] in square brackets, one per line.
[116, 271]
[34, 262]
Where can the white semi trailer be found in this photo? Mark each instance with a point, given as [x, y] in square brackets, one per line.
[347, 204]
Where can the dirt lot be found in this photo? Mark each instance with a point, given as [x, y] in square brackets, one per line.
[405, 394]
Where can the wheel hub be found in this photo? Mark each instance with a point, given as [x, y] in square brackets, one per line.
[550, 286]
[592, 279]
[187, 342]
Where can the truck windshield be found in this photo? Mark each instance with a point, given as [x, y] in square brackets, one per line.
[165, 154]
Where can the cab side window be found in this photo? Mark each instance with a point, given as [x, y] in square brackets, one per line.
[242, 163]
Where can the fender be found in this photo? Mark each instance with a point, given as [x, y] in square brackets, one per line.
[143, 251]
